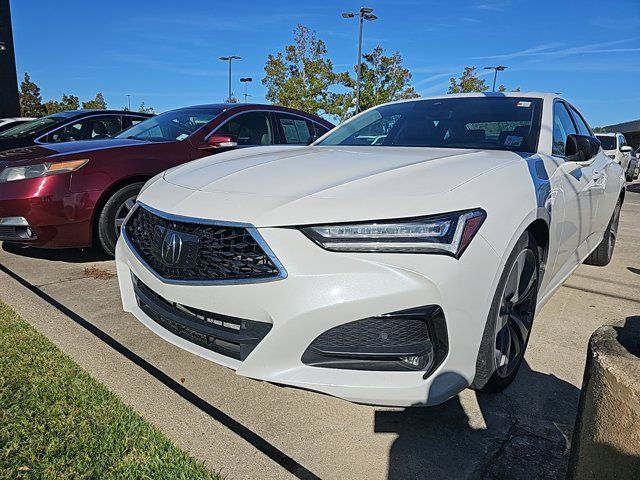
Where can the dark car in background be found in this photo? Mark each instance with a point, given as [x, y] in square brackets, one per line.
[69, 126]
[77, 194]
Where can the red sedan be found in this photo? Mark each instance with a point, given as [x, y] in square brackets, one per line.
[77, 194]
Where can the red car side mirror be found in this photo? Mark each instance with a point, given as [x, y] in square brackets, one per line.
[216, 142]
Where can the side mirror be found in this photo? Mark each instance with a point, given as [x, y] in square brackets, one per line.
[625, 149]
[581, 148]
[216, 142]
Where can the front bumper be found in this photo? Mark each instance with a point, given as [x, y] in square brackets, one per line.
[56, 217]
[325, 289]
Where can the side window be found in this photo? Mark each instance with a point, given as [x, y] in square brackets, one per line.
[137, 120]
[621, 141]
[294, 130]
[320, 129]
[252, 128]
[562, 126]
[583, 128]
[91, 128]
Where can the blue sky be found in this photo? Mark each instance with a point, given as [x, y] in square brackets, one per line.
[165, 53]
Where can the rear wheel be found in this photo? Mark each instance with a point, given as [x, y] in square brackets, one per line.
[602, 255]
[506, 333]
[113, 214]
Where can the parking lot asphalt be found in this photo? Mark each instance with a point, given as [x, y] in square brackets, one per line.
[246, 428]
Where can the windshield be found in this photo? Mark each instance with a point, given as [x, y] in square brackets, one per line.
[608, 141]
[173, 125]
[29, 128]
[495, 123]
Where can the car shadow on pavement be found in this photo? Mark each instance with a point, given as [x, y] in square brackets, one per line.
[633, 187]
[521, 433]
[70, 255]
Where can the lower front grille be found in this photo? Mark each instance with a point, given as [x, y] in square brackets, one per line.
[230, 336]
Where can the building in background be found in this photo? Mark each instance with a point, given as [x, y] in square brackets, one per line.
[9, 102]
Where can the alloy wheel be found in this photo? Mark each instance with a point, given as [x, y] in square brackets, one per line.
[515, 316]
[122, 212]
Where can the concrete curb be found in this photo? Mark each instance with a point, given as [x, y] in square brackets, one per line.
[606, 439]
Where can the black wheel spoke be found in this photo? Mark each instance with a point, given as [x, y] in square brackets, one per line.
[516, 313]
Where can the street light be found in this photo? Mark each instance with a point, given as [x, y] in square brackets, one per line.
[229, 59]
[496, 69]
[129, 101]
[246, 81]
[363, 14]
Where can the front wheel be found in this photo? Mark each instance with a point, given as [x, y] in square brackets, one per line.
[506, 333]
[113, 214]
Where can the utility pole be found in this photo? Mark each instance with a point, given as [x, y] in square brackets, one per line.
[229, 59]
[9, 98]
[363, 14]
[495, 69]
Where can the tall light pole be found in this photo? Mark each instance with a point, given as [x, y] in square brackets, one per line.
[246, 81]
[363, 14]
[229, 59]
[129, 101]
[496, 69]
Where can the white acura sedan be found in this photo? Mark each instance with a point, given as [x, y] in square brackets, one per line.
[397, 260]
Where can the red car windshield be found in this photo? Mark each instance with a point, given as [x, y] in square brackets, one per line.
[171, 126]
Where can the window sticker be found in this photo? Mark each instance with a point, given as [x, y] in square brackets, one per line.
[513, 141]
[523, 104]
[295, 131]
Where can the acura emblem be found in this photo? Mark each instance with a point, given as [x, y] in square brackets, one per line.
[171, 248]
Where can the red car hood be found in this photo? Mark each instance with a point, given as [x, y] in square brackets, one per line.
[40, 153]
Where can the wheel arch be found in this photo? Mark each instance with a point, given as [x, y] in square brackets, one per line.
[108, 193]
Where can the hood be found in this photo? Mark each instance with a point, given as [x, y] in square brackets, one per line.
[38, 152]
[280, 186]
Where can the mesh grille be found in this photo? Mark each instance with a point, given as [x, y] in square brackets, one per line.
[223, 252]
[374, 332]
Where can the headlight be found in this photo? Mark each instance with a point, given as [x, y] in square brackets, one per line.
[9, 174]
[449, 234]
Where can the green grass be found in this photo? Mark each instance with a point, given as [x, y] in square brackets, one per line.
[57, 422]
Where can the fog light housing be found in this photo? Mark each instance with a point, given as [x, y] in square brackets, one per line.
[407, 340]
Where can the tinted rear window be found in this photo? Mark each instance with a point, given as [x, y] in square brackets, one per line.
[608, 143]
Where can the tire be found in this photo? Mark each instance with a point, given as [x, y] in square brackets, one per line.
[603, 254]
[113, 213]
[509, 322]
[630, 174]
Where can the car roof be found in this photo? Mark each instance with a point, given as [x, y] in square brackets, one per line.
[91, 111]
[606, 134]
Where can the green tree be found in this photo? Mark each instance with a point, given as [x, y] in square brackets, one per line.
[383, 79]
[98, 103]
[67, 102]
[30, 99]
[468, 82]
[144, 109]
[302, 76]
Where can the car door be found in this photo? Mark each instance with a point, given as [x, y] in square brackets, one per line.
[250, 129]
[580, 202]
[602, 190]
